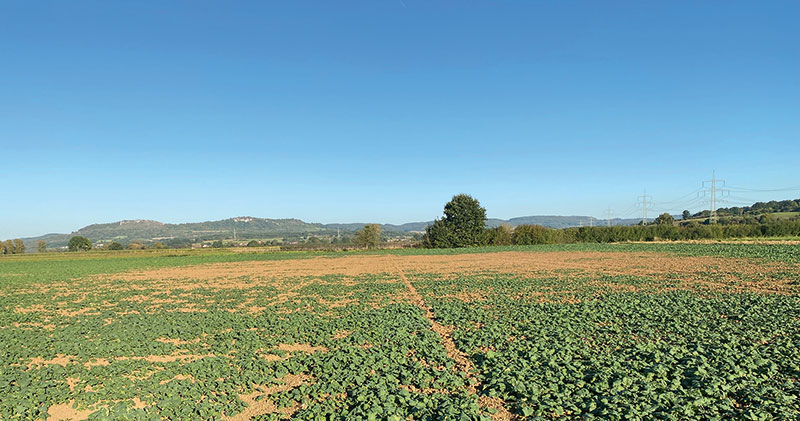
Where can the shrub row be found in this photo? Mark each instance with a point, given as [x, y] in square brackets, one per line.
[536, 234]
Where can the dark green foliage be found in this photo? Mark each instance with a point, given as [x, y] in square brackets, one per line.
[114, 246]
[217, 244]
[534, 234]
[762, 208]
[438, 235]
[369, 236]
[686, 215]
[499, 236]
[41, 246]
[644, 355]
[665, 219]
[79, 243]
[463, 224]
[690, 231]
[253, 243]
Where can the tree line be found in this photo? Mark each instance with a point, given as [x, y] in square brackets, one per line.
[16, 246]
[463, 225]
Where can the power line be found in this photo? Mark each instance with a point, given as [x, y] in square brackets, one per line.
[694, 193]
[713, 190]
[647, 201]
[712, 193]
[745, 189]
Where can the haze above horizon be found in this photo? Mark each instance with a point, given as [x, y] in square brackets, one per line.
[382, 111]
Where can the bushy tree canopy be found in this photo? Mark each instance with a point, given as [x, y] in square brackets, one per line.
[6, 247]
[534, 234]
[78, 243]
[499, 236]
[463, 224]
[369, 236]
[665, 219]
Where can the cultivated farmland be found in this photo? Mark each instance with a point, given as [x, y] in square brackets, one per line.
[636, 331]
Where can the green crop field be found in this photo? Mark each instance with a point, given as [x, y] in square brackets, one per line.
[629, 331]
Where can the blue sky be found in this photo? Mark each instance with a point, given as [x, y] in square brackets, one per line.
[382, 110]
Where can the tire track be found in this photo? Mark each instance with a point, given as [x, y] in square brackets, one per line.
[463, 363]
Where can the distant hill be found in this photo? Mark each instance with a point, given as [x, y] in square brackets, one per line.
[147, 231]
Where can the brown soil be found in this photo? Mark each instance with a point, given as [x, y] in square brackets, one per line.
[497, 404]
[342, 334]
[65, 411]
[251, 274]
[60, 359]
[177, 342]
[266, 406]
[138, 403]
[301, 348]
[64, 360]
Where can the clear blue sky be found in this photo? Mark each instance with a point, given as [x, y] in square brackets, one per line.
[382, 110]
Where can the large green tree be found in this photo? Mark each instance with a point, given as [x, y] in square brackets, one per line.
[369, 236]
[665, 219]
[79, 243]
[19, 246]
[41, 246]
[463, 224]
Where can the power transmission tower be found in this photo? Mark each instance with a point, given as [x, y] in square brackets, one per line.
[647, 201]
[609, 214]
[712, 189]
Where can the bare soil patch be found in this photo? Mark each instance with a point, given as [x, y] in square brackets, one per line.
[66, 411]
[648, 264]
[302, 348]
[498, 405]
[266, 406]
